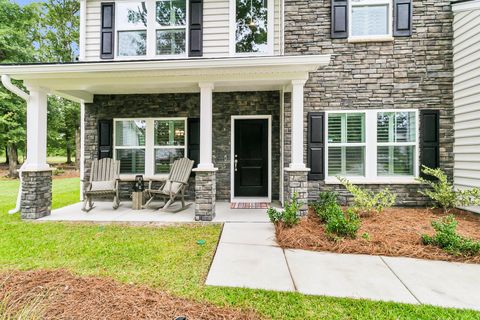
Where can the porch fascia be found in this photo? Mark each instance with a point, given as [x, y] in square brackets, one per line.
[81, 81]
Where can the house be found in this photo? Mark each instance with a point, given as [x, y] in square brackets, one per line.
[466, 93]
[270, 97]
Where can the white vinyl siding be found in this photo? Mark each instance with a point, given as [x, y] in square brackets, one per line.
[216, 29]
[466, 88]
[92, 30]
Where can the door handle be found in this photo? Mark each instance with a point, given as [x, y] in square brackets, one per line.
[236, 162]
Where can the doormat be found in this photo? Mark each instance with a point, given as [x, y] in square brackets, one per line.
[248, 205]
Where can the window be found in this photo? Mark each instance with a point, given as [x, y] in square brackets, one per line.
[130, 145]
[131, 24]
[252, 26]
[372, 145]
[171, 21]
[169, 143]
[396, 143]
[149, 146]
[346, 144]
[370, 18]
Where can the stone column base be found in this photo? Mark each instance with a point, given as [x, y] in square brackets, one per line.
[205, 194]
[36, 201]
[297, 183]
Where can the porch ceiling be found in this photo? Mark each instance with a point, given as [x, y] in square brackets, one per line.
[80, 81]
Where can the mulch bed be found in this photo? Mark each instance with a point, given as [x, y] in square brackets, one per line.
[62, 295]
[394, 232]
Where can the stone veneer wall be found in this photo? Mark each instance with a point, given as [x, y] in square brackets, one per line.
[36, 194]
[188, 105]
[409, 72]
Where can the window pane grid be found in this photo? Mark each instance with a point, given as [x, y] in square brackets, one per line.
[346, 139]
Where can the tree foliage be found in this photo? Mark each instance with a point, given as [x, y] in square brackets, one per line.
[46, 32]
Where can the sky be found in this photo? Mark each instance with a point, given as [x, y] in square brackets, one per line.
[24, 2]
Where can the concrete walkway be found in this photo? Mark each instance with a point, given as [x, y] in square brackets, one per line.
[248, 256]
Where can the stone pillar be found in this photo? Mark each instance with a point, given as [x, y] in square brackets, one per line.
[205, 194]
[297, 182]
[36, 194]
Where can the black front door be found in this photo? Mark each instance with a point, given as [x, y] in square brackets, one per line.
[251, 158]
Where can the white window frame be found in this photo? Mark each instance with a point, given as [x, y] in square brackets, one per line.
[151, 29]
[361, 3]
[371, 145]
[155, 147]
[115, 147]
[233, 30]
[149, 144]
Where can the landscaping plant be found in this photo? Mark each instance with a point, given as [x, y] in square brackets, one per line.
[342, 224]
[367, 202]
[444, 195]
[289, 217]
[325, 200]
[447, 238]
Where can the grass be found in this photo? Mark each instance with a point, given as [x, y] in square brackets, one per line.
[50, 159]
[167, 258]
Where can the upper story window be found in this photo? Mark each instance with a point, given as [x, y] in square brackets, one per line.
[171, 22]
[151, 28]
[131, 22]
[370, 19]
[253, 26]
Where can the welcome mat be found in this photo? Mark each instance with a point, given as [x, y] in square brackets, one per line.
[248, 205]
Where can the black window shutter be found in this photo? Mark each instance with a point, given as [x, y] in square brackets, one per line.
[429, 139]
[105, 139]
[339, 27]
[107, 32]
[195, 28]
[194, 140]
[402, 18]
[316, 145]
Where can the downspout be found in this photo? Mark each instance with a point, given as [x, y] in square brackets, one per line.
[7, 83]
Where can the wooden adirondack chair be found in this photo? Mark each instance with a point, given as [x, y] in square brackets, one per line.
[103, 183]
[175, 185]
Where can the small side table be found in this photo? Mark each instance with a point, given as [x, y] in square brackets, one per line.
[138, 200]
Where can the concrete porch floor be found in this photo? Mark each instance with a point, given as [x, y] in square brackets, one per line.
[103, 212]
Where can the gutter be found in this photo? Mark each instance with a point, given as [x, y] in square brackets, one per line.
[7, 83]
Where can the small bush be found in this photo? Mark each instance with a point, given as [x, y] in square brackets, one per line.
[342, 224]
[289, 216]
[326, 199]
[441, 191]
[447, 238]
[366, 201]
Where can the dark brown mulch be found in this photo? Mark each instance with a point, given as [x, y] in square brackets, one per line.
[394, 232]
[66, 296]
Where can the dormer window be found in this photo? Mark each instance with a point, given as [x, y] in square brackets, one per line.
[131, 22]
[171, 23]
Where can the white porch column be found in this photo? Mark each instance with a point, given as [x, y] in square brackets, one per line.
[36, 131]
[297, 125]
[205, 125]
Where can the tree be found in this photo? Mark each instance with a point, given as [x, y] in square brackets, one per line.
[18, 35]
[59, 43]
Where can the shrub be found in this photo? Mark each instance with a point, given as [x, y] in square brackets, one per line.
[289, 216]
[441, 191]
[340, 223]
[326, 199]
[447, 238]
[366, 201]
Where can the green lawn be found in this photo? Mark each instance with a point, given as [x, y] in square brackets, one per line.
[169, 259]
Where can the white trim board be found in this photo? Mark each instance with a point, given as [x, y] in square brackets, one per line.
[465, 6]
[232, 156]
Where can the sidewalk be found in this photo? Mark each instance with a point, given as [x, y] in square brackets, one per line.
[248, 256]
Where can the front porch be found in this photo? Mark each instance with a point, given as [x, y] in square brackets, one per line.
[103, 213]
[218, 91]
